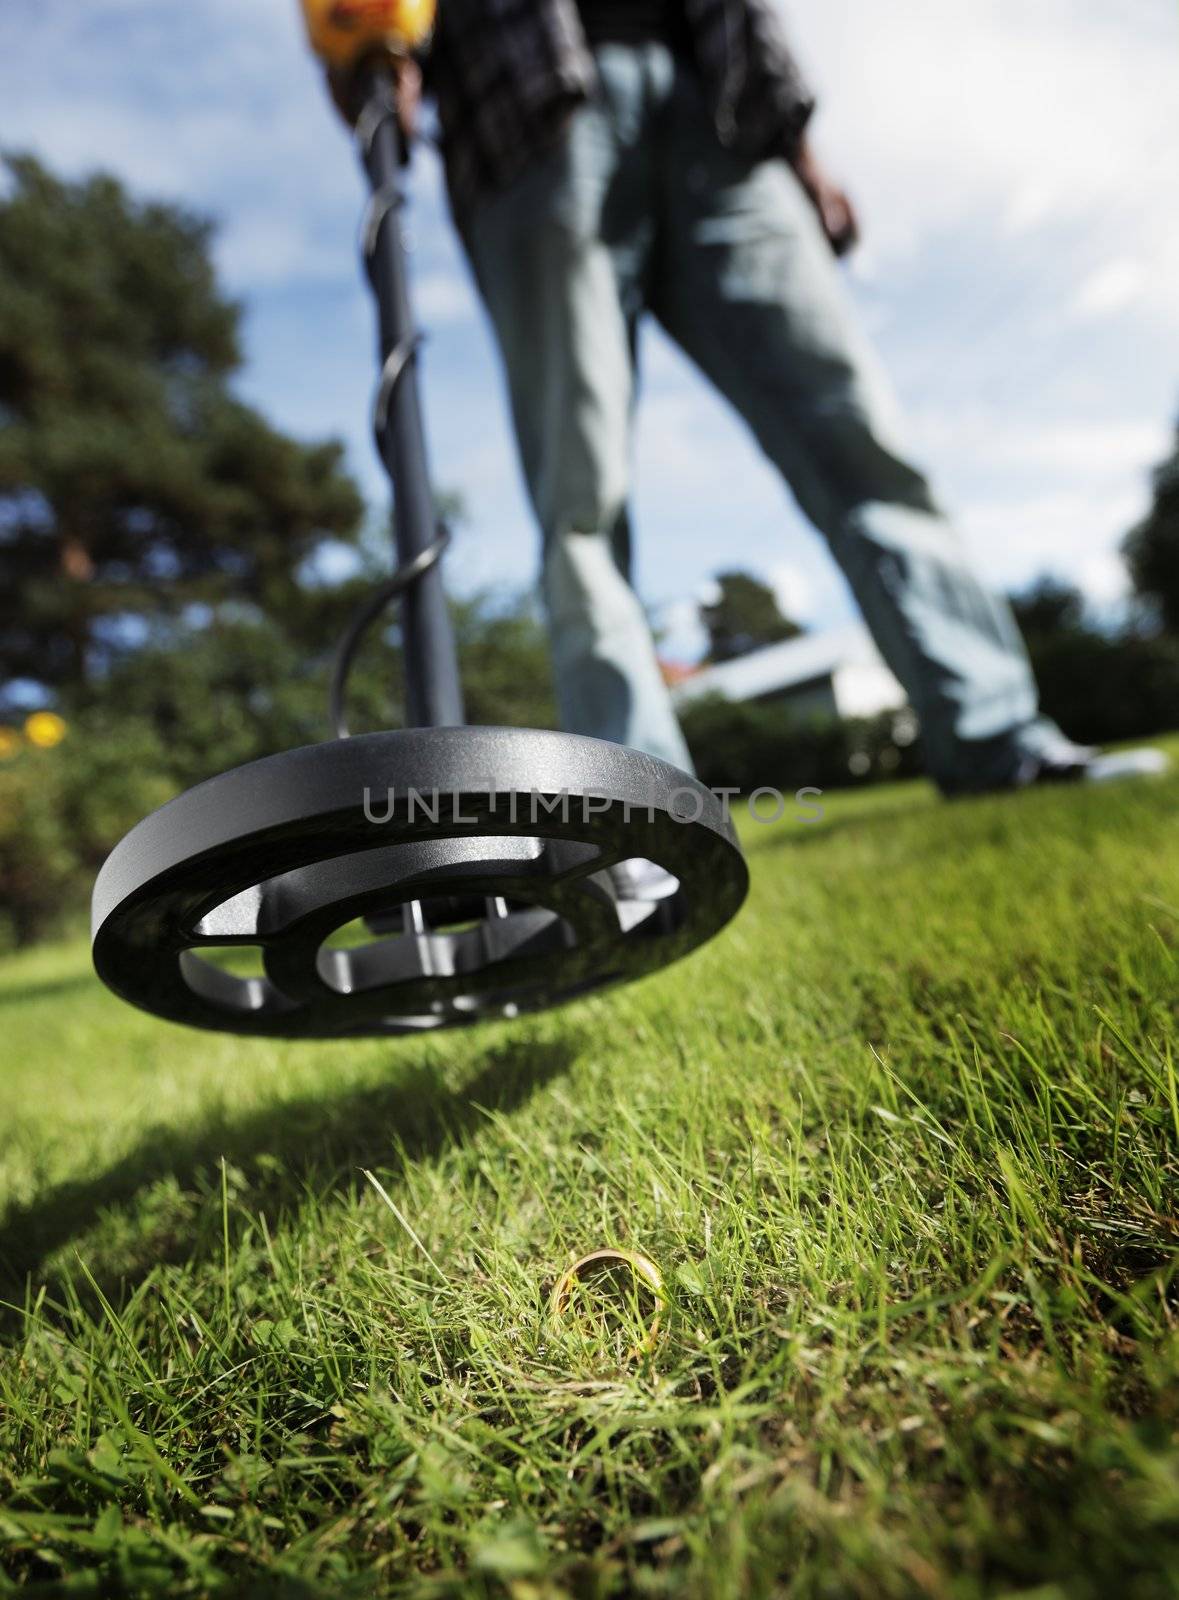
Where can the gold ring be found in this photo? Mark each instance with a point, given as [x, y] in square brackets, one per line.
[641, 1266]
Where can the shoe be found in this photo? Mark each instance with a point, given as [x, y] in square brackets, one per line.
[1143, 763]
[1074, 763]
[1061, 761]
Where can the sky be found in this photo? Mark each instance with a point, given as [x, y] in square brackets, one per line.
[1016, 167]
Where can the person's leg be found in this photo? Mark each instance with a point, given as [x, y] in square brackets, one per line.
[751, 292]
[559, 260]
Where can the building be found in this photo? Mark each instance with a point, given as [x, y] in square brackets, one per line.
[835, 674]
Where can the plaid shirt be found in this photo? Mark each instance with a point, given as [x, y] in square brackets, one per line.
[507, 73]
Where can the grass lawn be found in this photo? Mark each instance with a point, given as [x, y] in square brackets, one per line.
[904, 1143]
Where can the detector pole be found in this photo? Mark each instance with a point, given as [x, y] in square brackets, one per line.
[434, 696]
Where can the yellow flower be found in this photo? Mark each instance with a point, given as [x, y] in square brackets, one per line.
[45, 729]
[9, 743]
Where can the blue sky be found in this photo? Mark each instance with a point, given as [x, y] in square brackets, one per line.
[1016, 163]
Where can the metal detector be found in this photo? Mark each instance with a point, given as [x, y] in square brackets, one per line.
[433, 876]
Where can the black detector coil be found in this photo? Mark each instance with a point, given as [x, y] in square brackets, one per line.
[498, 864]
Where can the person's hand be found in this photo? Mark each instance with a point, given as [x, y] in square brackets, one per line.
[834, 207]
[346, 90]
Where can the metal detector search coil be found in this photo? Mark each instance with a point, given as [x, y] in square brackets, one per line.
[475, 905]
[341, 32]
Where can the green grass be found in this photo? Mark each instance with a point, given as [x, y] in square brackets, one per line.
[904, 1143]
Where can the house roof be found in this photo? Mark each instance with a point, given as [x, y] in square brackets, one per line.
[779, 667]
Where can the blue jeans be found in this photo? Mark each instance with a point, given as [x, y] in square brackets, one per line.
[639, 208]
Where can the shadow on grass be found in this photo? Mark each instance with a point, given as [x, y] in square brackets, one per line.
[314, 1144]
[782, 837]
[52, 989]
[277, 1586]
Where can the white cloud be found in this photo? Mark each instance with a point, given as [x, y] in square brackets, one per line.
[793, 589]
[1070, 531]
[1040, 105]
[681, 635]
[262, 249]
[441, 296]
[1097, 448]
[1104, 579]
[1111, 287]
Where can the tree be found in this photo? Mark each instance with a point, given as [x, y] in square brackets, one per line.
[1152, 548]
[744, 616]
[504, 660]
[236, 688]
[1048, 609]
[1099, 685]
[133, 483]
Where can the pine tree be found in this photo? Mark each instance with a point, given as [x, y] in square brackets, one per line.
[745, 616]
[1152, 548]
[134, 484]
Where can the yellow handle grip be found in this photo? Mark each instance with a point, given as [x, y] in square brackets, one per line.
[341, 31]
